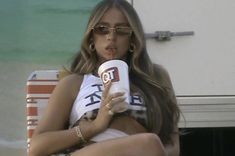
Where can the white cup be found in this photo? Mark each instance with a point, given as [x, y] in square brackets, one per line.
[117, 72]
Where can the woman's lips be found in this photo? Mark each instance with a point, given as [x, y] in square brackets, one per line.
[111, 50]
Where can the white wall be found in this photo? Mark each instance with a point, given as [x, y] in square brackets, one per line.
[202, 64]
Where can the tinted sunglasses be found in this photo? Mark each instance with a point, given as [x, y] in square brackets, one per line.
[119, 30]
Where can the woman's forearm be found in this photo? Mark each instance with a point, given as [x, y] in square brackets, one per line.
[51, 142]
[55, 141]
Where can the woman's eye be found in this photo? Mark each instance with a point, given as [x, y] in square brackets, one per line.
[103, 28]
[123, 30]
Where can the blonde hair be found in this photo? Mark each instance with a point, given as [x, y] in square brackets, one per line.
[151, 80]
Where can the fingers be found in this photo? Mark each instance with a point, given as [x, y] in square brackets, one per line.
[110, 112]
[115, 100]
[113, 104]
[112, 99]
[106, 90]
[105, 95]
[115, 96]
[109, 100]
[108, 106]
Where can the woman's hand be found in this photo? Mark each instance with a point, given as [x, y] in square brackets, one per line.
[106, 110]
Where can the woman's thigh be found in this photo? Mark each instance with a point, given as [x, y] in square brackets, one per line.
[135, 145]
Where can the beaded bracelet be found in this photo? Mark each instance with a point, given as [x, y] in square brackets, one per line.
[79, 134]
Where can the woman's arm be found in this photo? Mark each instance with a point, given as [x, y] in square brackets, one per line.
[171, 149]
[174, 148]
[50, 135]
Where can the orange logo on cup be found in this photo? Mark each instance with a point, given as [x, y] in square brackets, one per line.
[110, 74]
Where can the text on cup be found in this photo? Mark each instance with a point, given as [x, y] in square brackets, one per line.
[110, 74]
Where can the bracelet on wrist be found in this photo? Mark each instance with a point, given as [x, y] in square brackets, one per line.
[79, 134]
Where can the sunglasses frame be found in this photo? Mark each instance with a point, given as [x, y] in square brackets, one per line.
[111, 29]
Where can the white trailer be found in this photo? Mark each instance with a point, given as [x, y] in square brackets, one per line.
[201, 63]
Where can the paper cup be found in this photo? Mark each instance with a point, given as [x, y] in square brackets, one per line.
[117, 72]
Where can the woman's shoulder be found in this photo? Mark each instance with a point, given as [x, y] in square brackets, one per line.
[159, 69]
[71, 83]
[72, 79]
[162, 74]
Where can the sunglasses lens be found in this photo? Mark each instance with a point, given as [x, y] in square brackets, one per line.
[104, 30]
[123, 30]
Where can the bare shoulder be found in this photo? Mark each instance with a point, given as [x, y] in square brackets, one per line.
[161, 71]
[162, 75]
[71, 79]
[60, 102]
[71, 83]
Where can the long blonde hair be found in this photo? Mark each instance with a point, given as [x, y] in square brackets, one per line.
[151, 80]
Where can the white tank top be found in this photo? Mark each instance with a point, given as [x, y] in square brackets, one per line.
[89, 99]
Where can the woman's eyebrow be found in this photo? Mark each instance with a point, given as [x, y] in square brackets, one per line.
[116, 24]
[104, 23]
[122, 24]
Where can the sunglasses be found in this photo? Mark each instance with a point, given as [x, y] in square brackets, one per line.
[119, 30]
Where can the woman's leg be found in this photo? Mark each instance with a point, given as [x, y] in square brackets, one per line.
[135, 145]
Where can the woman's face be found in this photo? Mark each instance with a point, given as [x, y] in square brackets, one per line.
[112, 43]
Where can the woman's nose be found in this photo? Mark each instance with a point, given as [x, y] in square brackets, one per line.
[111, 35]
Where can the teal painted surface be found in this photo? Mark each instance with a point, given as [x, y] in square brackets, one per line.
[34, 35]
[42, 30]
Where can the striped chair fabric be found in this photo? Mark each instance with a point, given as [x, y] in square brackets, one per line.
[40, 85]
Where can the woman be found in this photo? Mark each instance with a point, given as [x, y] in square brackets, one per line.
[81, 103]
